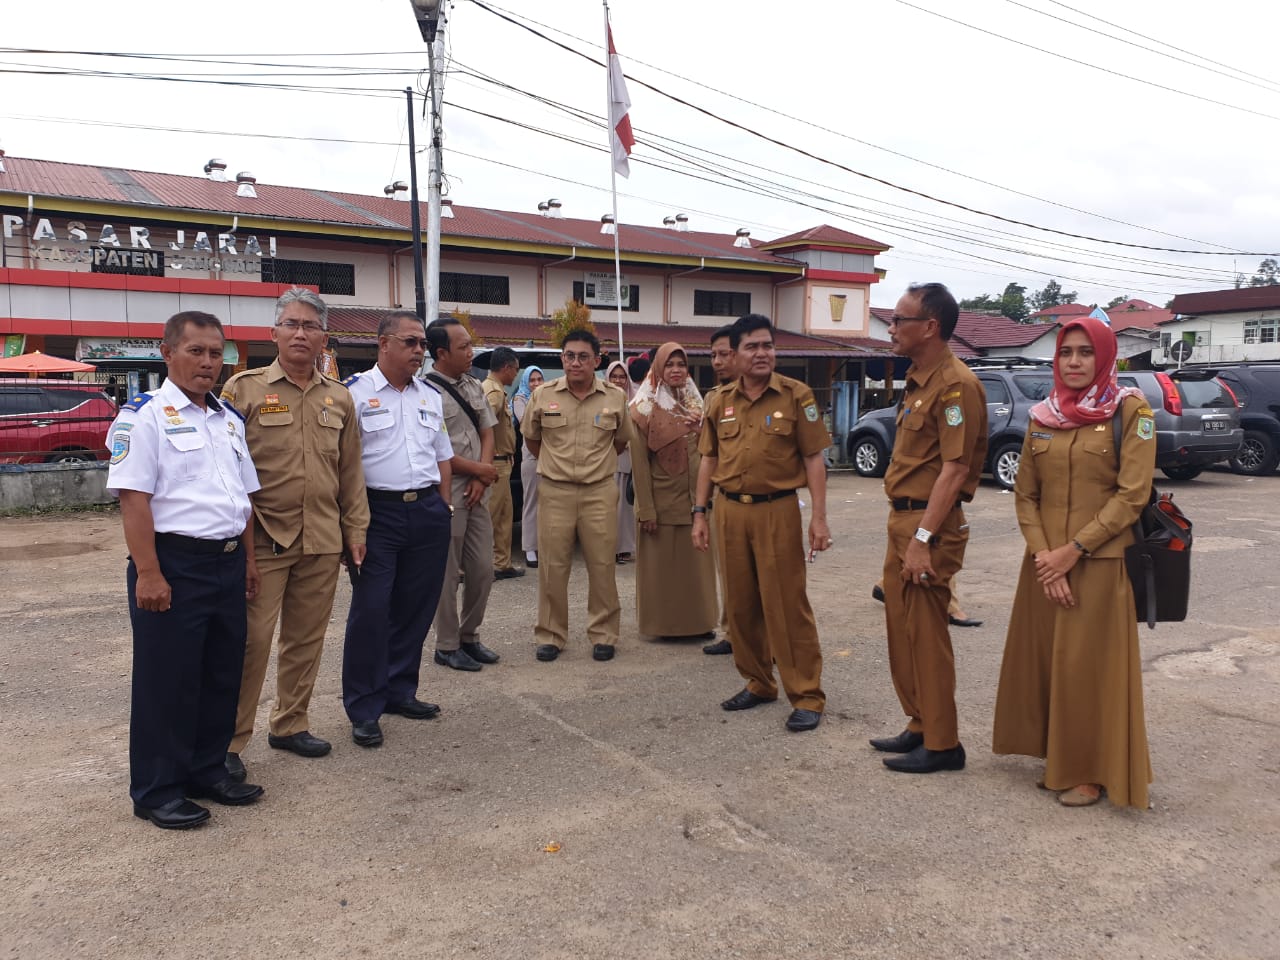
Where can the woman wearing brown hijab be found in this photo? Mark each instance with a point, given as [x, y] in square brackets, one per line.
[675, 584]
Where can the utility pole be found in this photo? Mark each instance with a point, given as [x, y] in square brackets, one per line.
[415, 219]
[432, 16]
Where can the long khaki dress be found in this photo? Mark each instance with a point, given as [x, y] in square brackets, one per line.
[675, 584]
[1071, 682]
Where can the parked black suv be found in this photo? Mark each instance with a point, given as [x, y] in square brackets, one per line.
[1256, 387]
[1197, 422]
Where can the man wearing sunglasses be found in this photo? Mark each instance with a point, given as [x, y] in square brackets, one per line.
[395, 590]
[576, 426]
[302, 434]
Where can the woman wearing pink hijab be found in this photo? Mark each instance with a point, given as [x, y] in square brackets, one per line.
[1071, 682]
[675, 584]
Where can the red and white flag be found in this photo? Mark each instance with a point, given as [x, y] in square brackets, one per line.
[621, 137]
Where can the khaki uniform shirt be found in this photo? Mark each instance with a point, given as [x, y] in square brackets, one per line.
[462, 433]
[943, 417]
[504, 433]
[760, 444]
[306, 446]
[577, 436]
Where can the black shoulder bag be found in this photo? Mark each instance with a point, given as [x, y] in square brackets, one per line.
[1159, 560]
[458, 398]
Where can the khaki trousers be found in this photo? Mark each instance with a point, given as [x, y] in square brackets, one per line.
[587, 513]
[296, 590]
[501, 510]
[920, 656]
[717, 556]
[470, 551]
[770, 619]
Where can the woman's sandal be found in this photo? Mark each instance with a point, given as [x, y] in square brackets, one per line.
[1085, 795]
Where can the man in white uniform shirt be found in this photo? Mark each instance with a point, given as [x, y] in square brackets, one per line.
[406, 453]
[181, 470]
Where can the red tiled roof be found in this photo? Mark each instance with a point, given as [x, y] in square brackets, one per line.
[826, 235]
[1226, 301]
[985, 330]
[359, 324]
[1137, 314]
[1050, 314]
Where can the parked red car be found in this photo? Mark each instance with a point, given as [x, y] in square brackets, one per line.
[53, 421]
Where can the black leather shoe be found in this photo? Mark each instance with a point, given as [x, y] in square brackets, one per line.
[414, 709]
[801, 720]
[964, 622]
[228, 793]
[235, 768]
[531, 564]
[180, 814]
[718, 648]
[547, 652]
[478, 652]
[303, 744]
[602, 651]
[924, 760]
[367, 734]
[877, 593]
[744, 699]
[456, 660]
[508, 574]
[904, 742]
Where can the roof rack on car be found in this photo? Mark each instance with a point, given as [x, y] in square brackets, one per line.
[1008, 363]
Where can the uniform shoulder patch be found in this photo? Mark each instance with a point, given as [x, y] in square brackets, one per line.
[811, 412]
[431, 386]
[227, 403]
[138, 402]
[954, 415]
[119, 445]
[1146, 427]
[351, 379]
[1144, 411]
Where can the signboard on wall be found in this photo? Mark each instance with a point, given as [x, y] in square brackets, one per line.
[97, 349]
[601, 290]
[15, 344]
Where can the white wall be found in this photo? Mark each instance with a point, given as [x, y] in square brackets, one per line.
[821, 312]
[1219, 338]
[682, 296]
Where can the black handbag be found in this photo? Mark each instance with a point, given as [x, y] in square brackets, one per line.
[1159, 560]
[631, 491]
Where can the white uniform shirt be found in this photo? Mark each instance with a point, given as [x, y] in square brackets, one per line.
[194, 463]
[401, 432]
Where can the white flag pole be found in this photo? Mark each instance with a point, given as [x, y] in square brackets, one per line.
[613, 177]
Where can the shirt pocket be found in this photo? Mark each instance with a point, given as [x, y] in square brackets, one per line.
[375, 420]
[1100, 448]
[329, 432]
[1039, 445]
[779, 437]
[606, 421]
[188, 454]
[728, 429]
[276, 419]
[431, 421]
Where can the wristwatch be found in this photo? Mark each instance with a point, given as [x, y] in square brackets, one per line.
[697, 509]
[923, 535]
[450, 506]
[1080, 546]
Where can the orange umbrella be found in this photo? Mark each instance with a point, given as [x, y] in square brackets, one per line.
[37, 362]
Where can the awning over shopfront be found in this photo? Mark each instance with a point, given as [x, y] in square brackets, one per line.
[125, 350]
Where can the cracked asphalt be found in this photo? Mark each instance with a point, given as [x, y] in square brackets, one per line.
[682, 831]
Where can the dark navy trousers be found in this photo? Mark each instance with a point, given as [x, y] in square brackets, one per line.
[393, 601]
[186, 674]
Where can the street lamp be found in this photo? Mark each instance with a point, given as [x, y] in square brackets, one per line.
[429, 14]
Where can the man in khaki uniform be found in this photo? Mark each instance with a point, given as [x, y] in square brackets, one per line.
[304, 440]
[576, 426]
[722, 364]
[762, 439]
[937, 462]
[504, 367]
[469, 423]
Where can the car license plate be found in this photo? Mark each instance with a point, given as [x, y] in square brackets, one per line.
[1215, 426]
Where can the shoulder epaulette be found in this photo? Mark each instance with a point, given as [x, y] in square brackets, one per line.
[230, 406]
[351, 379]
[138, 402]
[430, 386]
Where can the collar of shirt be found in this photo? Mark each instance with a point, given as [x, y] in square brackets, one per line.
[738, 386]
[275, 372]
[562, 384]
[921, 375]
[172, 395]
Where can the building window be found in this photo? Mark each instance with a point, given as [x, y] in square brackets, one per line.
[579, 292]
[474, 288]
[720, 303]
[1265, 330]
[336, 279]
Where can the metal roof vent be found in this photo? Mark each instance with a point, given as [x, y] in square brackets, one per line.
[244, 184]
[544, 208]
[669, 222]
[1, 161]
[216, 169]
[682, 222]
[607, 225]
[743, 238]
[446, 208]
[554, 205]
[391, 189]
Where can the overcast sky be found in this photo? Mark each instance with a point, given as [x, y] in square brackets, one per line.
[882, 88]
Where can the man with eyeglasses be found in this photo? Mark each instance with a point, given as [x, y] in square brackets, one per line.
[302, 434]
[406, 454]
[469, 422]
[937, 461]
[576, 425]
[762, 439]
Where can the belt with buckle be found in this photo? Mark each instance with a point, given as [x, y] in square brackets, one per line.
[186, 544]
[402, 496]
[758, 497]
[504, 457]
[905, 503]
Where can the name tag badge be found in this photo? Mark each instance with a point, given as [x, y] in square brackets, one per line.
[374, 413]
[1036, 435]
[179, 429]
[274, 408]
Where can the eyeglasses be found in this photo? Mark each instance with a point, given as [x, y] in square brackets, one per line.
[293, 326]
[571, 358]
[895, 320]
[410, 342]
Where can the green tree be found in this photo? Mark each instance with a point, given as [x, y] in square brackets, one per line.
[984, 302]
[1268, 274]
[572, 316]
[1051, 296]
[1013, 302]
[1116, 301]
